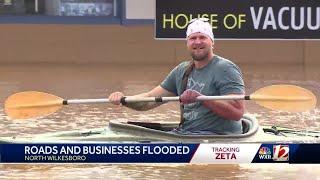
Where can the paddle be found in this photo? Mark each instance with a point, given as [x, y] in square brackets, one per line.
[291, 98]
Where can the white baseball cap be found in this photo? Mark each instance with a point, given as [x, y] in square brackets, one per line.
[200, 25]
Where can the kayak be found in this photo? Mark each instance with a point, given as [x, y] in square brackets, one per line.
[148, 132]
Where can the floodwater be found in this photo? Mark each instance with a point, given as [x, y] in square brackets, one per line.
[72, 81]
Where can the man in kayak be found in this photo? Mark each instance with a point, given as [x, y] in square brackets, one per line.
[206, 74]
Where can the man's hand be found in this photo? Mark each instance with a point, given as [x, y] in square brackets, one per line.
[189, 96]
[115, 98]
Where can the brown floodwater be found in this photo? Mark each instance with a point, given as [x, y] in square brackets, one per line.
[73, 81]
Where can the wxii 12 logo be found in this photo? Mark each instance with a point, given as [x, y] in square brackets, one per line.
[265, 153]
[280, 152]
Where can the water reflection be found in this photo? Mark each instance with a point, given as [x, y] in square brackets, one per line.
[97, 81]
[165, 171]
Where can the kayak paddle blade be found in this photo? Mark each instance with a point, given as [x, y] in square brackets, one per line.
[285, 98]
[30, 104]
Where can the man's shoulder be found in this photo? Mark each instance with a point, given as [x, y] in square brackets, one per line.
[222, 62]
[182, 65]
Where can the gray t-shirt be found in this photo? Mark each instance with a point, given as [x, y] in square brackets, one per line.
[219, 77]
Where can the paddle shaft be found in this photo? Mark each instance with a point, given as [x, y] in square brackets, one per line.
[154, 99]
[30, 104]
[125, 100]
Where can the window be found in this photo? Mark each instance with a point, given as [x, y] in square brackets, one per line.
[12, 7]
[86, 8]
[59, 7]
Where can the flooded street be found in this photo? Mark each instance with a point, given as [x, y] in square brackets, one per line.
[98, 81]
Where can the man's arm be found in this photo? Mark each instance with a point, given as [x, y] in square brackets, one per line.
[228, 109]
[115, 98]
[230, 82]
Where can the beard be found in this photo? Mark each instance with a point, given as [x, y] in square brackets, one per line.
[200, 56]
